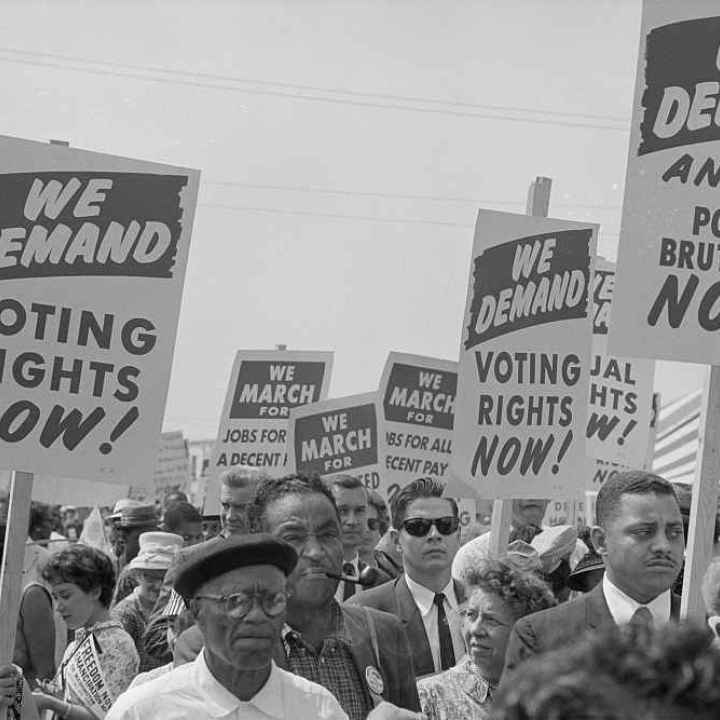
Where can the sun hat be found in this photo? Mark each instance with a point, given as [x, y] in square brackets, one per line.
[554, 544]
[157, 551]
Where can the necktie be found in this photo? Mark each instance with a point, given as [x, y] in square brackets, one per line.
[447, 654]
[642, 617]
[349, 571]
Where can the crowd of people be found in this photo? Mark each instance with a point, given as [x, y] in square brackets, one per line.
[316, 600]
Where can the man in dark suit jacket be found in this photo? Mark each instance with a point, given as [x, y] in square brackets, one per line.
[640, 537]
[424, 597]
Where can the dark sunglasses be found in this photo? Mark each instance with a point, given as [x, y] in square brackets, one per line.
[373, 524]
[419, 527]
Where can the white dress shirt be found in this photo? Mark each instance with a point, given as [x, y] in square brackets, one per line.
[191, 691]
[622, 607]
[425, 601]
[340, 592]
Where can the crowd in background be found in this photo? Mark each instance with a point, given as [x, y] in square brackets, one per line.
[310, 598]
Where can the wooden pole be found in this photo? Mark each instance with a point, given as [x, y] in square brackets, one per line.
[538, 204]
[12, 560]
[703, 508]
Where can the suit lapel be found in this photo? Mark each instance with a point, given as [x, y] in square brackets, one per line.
[408, 612]
[597, 612]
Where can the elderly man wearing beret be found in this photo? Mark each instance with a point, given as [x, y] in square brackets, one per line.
[236, 589]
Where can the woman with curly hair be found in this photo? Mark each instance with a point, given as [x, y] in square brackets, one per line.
[499, 593]
[101, 661]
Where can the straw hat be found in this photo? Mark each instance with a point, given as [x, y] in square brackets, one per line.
[120, 505]
[138, 516]
[157, 551]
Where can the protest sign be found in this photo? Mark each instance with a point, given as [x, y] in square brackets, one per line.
[172, 467]
[667, 285]
[416, 419]
[521, 407]
[93, 250]
[265, 385]
[85, 678]
[619, 415]
[336, 437]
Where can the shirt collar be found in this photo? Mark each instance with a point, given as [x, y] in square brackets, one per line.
[425, 598]
[622, 607]
[220, 701]
[338, 625]
[355, 563]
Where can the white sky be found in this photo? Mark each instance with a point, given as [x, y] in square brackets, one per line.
[340, 220]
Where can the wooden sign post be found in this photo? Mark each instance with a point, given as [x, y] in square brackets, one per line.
[538, 204]
[703, 509]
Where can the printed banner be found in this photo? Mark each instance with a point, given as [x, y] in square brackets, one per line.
[93, 250]
[85, 679]
[667, 287]
[618, 427]
[521, 407]
[417, 417]
[265, 385]
[336, 437]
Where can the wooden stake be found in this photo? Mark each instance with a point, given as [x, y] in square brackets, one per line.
[12, 561]
[538, 204]
[703, 508]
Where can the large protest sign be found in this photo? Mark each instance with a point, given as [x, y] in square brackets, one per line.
[417, 397]
[521, 407]
[265, 385]
[93, 250]
[667, 286]
[334, 437]
[619, 416]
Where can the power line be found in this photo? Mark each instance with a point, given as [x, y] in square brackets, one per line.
[307, 97]
[315, 88]
[393, 196]
[343, 216]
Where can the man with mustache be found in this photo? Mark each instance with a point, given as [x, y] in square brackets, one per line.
[639, 534]
[362, 657]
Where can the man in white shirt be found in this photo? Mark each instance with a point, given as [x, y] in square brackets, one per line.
[236, 589]
[426, 529]
[639, 534]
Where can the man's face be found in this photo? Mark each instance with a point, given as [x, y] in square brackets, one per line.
[234, 504]
[642, 545]
[371, 536]
[310, 524]
[243, 642]
[353, 508]
[529, 512]
[434, 552]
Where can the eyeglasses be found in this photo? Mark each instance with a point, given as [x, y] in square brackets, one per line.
[373, 524]
[240, 604]
[419, 527]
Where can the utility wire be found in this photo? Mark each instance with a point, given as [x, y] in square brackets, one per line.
[392, 196]
[304, 96]
[314, 88]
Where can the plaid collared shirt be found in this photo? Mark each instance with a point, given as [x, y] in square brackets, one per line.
[333, 667]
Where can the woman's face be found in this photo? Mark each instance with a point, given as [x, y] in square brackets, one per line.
[487, 622]
[150, 583]
[76, 607]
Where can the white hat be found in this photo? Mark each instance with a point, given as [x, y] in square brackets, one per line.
[554, 544]
[157, 550]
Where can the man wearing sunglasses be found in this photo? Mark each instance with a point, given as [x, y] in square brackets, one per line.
[426, 530]
[236, 589]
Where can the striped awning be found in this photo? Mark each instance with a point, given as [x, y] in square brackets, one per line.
[676, 442]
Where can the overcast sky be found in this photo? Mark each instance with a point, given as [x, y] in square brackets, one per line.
[345, 149]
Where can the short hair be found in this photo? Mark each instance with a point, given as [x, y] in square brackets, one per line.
[39, 513]
[242, 476]
[711, 588]
[523, 591]
[424, 487]
[84, 566]
[349, 482]
[174, 497]
[179, 513]
[375, 499]
[271, 489]
[632, 482]
[673, 668]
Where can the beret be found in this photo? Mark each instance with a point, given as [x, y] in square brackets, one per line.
[207, 560]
